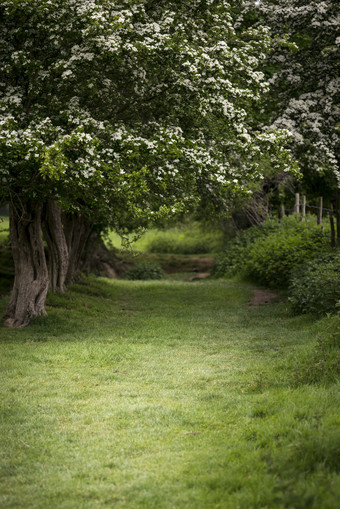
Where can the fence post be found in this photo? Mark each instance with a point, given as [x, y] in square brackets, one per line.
[331, 220]
[337, 215]
[282, 211]
[303, 212]
[297, 203]
[319, 220]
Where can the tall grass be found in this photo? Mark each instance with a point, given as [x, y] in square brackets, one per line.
[165, 394]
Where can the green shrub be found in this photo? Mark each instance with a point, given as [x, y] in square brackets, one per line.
[271, 261]
[270, 252]
[315, 286]
[234, 256]
[323, 364]
[144, 270]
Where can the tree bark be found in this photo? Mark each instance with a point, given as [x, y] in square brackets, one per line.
[31, 275]
[99, 260]
[77, 233]
[57, 249]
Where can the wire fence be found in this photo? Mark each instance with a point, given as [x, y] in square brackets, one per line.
[333, 213]
[302, 206]
[312, 207]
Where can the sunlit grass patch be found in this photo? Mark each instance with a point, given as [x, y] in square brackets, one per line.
[4, 229]
[188, 238]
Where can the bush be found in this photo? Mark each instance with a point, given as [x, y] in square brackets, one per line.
[272, 260]
[144, 270]
[270, 252]
[233, 258]
[315, 286]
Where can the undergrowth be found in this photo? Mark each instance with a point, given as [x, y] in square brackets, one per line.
[268, 253]
[144, 270]
[322, 365]
[291, 254]
[315, 286]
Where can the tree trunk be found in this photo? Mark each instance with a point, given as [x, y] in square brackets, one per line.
[31, 274]
[77, 233]
[57, 250]
[99, 260]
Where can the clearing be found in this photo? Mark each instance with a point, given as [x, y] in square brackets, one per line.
[162, 395]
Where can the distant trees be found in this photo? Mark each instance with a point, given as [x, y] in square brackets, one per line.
[113, 115]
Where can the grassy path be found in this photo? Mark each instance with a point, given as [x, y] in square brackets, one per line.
[164, 395]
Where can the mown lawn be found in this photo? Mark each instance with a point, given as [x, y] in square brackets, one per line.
[165, 395]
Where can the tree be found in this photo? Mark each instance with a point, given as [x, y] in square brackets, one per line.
[304, 70]
[118, 114]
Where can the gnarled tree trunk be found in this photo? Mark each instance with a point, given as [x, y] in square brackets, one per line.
[57, 250]
[31, 275]
[77, 233]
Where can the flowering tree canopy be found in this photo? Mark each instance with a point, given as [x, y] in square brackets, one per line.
[122, 112]
[102, 94]
[305, 83]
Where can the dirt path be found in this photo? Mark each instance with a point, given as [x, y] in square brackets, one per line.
[199, 275]
[260, 297]
[172, 264]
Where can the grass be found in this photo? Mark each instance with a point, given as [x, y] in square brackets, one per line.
[188, 238]
[4, 229]
[165, 395]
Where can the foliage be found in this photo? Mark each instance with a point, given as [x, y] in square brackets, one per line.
[122, 114]
[315, 285]
[304, 70]
[141, 396]
[144, 270]
[123, 111]
[271, 260]
[269, 253]
[232, 259]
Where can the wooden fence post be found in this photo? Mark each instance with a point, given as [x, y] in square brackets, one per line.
[331, 221]
[282, 211]
[303, 211]
[337, 215]
[297, 203]
[319, 220]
